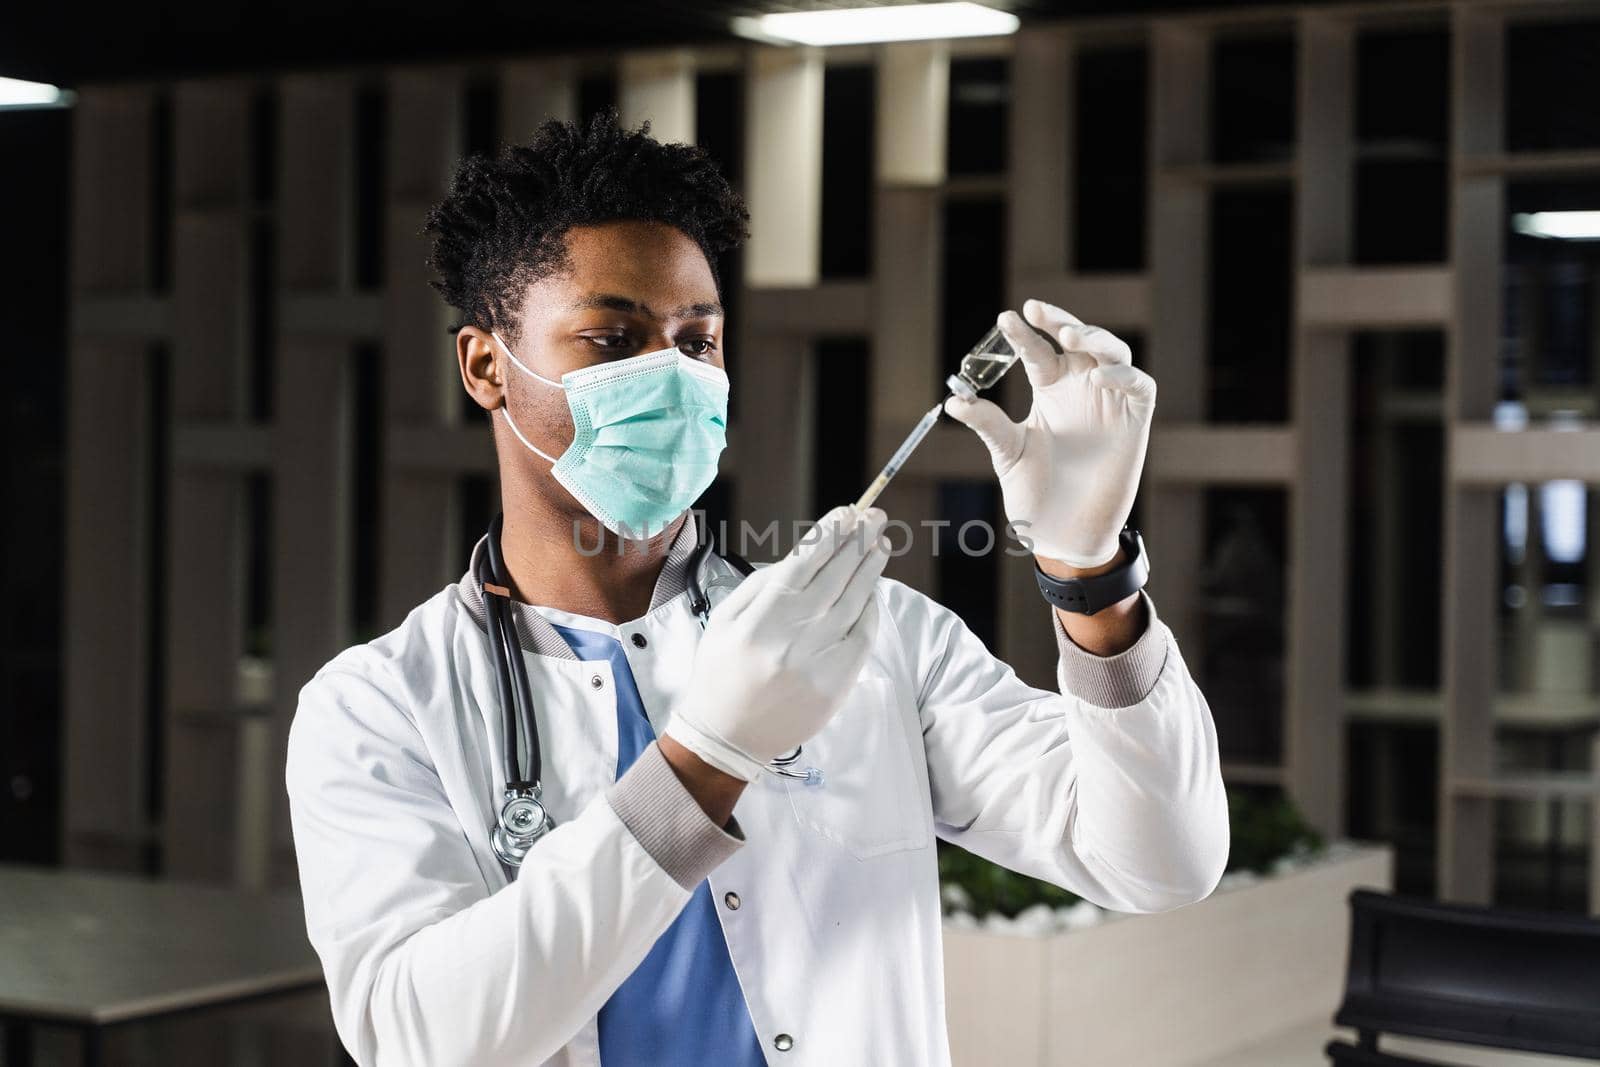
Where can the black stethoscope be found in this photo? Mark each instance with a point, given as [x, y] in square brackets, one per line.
[523, 819]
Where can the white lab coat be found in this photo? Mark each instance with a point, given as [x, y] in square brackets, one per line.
[433, 957]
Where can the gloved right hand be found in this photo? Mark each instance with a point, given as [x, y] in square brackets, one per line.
[781, 652]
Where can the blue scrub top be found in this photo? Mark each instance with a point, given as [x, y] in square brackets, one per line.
[682, 1006]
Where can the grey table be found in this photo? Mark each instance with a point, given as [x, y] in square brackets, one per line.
[94, 951]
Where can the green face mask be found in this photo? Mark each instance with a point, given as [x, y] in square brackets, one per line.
[648, 431]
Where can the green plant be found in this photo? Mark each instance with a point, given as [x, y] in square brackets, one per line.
[1265, 826]
[985, 888]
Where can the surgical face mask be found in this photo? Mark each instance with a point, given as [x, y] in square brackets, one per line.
[647, 433]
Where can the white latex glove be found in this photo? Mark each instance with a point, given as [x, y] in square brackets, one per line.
[1069, 471]
[781, 652]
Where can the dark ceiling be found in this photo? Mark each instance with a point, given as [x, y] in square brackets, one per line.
[71, 44]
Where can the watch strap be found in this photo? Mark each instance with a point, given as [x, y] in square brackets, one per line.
[1085, 596]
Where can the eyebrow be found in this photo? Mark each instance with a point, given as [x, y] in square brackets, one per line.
[633, 307]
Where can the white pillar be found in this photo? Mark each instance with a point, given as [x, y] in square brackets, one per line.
[206, 531]
[1180, 77]
[421, 380]
[783, 167]
[1040, 246]
[1314, 693]
[533, 92]
[311, 447]
[913, 112]
[107, 610]
[1470, 567]
[659, 86]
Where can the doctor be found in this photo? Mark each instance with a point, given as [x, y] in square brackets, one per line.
[691, 905]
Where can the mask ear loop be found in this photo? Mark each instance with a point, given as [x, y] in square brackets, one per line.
[512, 356]
[505, 408]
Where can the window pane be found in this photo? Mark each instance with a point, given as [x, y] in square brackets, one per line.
[980, 114]
[1250, 295]
[1110, 180]
[968, 565]
[1552, 272]
[973, 279]
[366, 514]
[1242, 608]
[1252, 99]
[1552, 83]
[842, 419]
[480, 126]
[848, 104]
[1402, 146]
[596, 92]
[370, 195]
[1392, 794]
[1542, 854]
[1395, 510]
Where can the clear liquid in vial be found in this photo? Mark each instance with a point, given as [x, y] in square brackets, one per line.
[988, 361]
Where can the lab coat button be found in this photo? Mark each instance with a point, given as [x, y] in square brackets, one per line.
[596, 682]
[732, 900]
[783, 1042]
[639, 641]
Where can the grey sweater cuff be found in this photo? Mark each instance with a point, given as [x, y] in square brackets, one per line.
[669, 822]
[1113, 681]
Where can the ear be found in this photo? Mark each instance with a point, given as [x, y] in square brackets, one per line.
[482, 368]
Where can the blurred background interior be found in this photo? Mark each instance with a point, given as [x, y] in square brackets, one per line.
[1358, 246]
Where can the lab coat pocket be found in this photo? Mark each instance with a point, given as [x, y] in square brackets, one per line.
[868, 798]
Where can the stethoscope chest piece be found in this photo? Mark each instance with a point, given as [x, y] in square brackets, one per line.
[522, 822]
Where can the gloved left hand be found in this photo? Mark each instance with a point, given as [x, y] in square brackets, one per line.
[1070, 470]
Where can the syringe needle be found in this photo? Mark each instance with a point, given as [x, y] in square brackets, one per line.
[901, 454]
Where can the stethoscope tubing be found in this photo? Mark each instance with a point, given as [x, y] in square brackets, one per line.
[516, 693]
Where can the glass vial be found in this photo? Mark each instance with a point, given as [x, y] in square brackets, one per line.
[987, 362]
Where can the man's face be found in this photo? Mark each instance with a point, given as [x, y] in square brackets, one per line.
[629, 288]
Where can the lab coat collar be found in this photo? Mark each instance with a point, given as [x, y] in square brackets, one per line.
[534, 631]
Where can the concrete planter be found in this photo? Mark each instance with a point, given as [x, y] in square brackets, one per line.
[1177, 989]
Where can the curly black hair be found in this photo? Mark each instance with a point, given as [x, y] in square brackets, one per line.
[504, 223]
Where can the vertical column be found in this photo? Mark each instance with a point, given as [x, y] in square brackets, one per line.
[777, 416]
[1040, 244]
[1040, 179]
[1384, 527]
[1594, 832]
[659, 86]
[912, 120]
[783, 167]
[1326, 104]
[783, 188]
[1314, 696]
[1592, 578]
[205, 547]
[531, 93]
[905, 343]
[107, 595]
[420, 374]
[1180, 79]
[1525, 623]
[913, 112]
[311, 446]
[1470, 570]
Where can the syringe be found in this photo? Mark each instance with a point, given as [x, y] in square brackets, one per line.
[901, 454]
[981, 368]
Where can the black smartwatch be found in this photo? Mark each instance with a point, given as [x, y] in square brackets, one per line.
[1085, 596]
